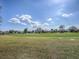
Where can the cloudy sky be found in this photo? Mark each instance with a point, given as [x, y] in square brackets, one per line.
[20, 14]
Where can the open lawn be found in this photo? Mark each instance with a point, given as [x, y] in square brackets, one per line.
[40, 46]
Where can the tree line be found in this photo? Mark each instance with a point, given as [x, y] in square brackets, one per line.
[61, 29]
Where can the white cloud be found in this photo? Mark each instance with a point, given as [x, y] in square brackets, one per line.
[62, 12]
[14, 20]
[45, 24]
[23, 23]
[58, 2]
[61, 8]
[27, 19]
[66, 15]
[35, 24]
[23, 19]
[49, 19]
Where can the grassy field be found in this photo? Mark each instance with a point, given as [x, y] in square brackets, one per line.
[40, 46]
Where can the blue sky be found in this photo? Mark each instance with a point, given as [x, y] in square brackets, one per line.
[20, 14]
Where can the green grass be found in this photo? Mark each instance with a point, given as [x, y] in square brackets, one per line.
[40, 46]
[48, 35]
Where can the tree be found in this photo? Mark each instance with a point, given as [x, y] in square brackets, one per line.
[11, 31]
[52, 30]
[39, 30]
[25, 30]
[61, 28]
[73, 29]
